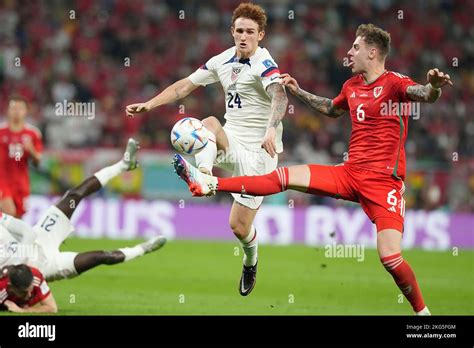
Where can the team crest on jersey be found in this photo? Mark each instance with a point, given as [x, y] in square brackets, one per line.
[377, 91]
[235, 73]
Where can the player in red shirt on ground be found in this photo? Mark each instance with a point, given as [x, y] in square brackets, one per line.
[18, 143]
[24, 289]
[379, 103]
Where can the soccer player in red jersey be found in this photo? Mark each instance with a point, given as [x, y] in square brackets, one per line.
[19, 142]
[24, 289]
[380, 103]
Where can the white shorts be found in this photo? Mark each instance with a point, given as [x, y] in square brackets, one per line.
[51, 231]
[242, 161]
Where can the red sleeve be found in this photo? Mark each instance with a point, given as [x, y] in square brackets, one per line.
[38, 142]
[402, 84]
[3, 289]
[341, 101]
[42, 290]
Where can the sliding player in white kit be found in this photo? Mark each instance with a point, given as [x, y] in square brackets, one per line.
[250, 141]
[38, 246]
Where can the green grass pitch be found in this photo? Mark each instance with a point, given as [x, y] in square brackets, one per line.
[201, 278]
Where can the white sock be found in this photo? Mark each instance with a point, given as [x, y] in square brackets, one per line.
[250, 247]
[133, 252]
[206, 158]
[424, 311]
[106, 174]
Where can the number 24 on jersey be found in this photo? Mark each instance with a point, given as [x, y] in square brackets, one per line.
[234, 99]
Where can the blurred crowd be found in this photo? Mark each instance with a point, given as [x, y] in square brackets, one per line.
[115, 52]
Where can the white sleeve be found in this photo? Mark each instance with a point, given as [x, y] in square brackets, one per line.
[18, 229]
[205, 74]
[268, 71]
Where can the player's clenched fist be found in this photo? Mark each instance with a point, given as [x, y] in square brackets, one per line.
[437, 78]
[290, 82]
[269, 141]
[136, 109]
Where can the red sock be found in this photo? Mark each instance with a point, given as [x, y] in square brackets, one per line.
[405, 279]
[261, 185]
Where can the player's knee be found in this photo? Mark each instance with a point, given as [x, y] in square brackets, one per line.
[388, 242]
[386, 250]
[239, 227]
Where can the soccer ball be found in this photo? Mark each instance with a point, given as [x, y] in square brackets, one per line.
[189, 136]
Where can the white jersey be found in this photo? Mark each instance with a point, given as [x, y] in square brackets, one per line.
[248, 105]
[12, 252]
[17, 242]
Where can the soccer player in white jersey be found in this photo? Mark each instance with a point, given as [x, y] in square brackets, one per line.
[38, 246]
[250, 140]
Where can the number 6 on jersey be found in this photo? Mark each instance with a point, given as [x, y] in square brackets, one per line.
[360, 113]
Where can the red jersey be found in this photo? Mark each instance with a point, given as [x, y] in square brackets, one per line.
[13, 157]
[379, 114]
[40, 290]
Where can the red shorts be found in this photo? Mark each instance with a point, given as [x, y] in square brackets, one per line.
[18, 197]
[380, 195]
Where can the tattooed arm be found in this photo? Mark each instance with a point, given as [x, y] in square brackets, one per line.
[321, 104]
[430, 92]
[279, 105]
[424, 93]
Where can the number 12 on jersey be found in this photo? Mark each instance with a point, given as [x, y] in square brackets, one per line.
[234, 100]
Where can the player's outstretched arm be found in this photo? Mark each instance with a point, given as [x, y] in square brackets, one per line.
[432, 90]
[321, 104]
[48, 305]
[279, 104]
[176, 91]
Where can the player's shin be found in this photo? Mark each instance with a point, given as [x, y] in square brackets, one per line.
[128, 162]
[262, 185]
[405, 279]
[205, 159]
[90, 259]
[250, 247]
